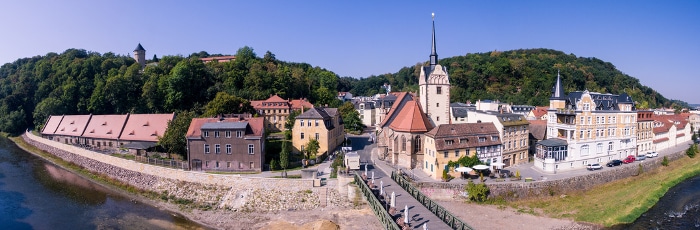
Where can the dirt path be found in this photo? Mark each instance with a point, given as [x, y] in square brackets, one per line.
[492, 217]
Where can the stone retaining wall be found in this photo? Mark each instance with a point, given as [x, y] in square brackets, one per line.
[513, 190]
[234, 192]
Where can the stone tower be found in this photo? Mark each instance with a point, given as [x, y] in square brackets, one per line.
[434, 84]
[140, 55]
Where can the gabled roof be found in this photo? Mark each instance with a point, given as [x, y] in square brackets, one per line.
[465, 135]
[314, 113]
[274, 102]
[275, 98]
[253, 126]
[51, 124]
[301, 103]
[411, 118]
[538, 129]
[139, 48]
[146, 127]
[105, 126]
[540, 111]
[399, 97]
[73, 125]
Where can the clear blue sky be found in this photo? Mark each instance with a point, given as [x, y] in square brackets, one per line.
[657, 42]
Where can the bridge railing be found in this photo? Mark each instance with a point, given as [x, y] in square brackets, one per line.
[439, 211]
[377, 206]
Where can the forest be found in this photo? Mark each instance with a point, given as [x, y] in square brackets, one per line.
[82, 82]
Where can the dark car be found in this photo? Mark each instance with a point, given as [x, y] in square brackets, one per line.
[614, 163]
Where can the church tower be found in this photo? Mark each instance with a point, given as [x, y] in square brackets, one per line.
[434, 84]
[558, 99]
[140, 55]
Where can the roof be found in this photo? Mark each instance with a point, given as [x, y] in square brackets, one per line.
[254, 126]
[540, 111]
[139, 145]
[603, 101]
[139, 48]
[411, 118]
[553, 142]
[146, 127]
[459, 111]
[51, 124]
[301, 103]
[538, 129]
[368, 104]
[465, 135]
[314, 113]
[73, 125]
[218, 59]
[510, 119]
[274, 102]
[225, 125]
[105, 126]
[666, 121]
[399, 97]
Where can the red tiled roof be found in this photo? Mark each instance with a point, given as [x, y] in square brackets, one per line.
[219, 59]
[680, 134]
[411, 118]
[538, 129]
[540, 111]
[399, 99]
[73, 125]
[105, 126]
[51, 125]
[299, 103]
[146, 127]
[465, 135]
[660, 140]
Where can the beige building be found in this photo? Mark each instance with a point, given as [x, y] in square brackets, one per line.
[276, 111]
[450, 142]
[645, 131]
[323, 124]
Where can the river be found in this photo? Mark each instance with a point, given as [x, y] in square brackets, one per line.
[35, 194]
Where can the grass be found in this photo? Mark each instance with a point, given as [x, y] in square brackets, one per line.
[617, 202]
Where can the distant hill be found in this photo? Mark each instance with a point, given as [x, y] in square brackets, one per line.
[524, 76]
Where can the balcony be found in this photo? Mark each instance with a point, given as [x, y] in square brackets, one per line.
[566, 111]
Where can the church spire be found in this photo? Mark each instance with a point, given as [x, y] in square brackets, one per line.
[433, 52]
[558, 91]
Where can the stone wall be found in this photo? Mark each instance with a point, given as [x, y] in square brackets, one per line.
[513, 190]
[203, 189]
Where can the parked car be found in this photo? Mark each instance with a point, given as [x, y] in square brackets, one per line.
[629, 159]
[652, 154]
[641, 158]
[614, 163]
[595, 166]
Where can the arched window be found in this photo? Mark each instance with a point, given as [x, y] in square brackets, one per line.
[584, 150]
[403, 143]
[417, 145]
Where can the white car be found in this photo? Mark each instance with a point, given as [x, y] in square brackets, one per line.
[595, 166]
[652, 154]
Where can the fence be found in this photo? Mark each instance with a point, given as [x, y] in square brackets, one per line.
[166, 163]
[439, 211]
[377, 206]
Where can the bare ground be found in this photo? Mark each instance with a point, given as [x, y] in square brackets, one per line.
[493, 217]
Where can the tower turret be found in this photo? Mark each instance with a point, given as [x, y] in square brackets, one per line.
[140, 55]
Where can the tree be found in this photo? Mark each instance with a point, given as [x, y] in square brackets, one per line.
[325, 96]
[173, 140]
[351, 118]
[187, 85]
[289, 124]
[225, 103]
[284, 156]
[312, 148]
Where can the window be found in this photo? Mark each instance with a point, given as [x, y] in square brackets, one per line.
[228, 164]
[582, 120]
[309, 123]
[610, 146]
[494, 138]
[316, 122]
[216, 134]
[581, 136]
[482, 139]
[599, 148]
[217, 164]
[228, 134]
[251, 149]
[252, 165]
[589, 120]
[439, 90]
[589, 134]
[217, 148]
[584, 150]
[438, 119]
[206, 149]
[239, 133]
[302, 136]
[240, 165]
[456, 152]
[445, 153]
[437, 104]
[205, 133]
[403, 143]
[206, 164]
[449, 142]
[317, 136]
[586, 106]
[228, 149]
[301, 123]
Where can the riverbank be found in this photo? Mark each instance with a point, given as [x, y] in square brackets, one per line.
[209, 216]
[618, 202]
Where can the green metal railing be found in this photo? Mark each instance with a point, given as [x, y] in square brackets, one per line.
[378, 208]
[439, 211]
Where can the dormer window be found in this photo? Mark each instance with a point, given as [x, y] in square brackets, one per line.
[494, 138]
[146, 124]
[104, 123]
[482, 139]
[449, 142]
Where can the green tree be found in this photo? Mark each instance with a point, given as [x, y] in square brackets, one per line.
[289, 124]
[312, 148]
[225, 103]
[325, 96]
[351, 118]
[284, 155]
[187, 85]
[174, 140]
[477, 192]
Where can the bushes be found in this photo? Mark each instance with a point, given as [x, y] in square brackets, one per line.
[664, 162]
[446, 176]
[692, 151]
[477, 192]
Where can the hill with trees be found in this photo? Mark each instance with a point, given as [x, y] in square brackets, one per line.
[524, 76]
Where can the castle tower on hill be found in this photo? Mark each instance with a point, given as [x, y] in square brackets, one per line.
[140, 55]
[434, 84]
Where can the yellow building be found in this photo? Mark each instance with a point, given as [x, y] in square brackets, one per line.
[276, 110]
[322, 124]
[449, 142]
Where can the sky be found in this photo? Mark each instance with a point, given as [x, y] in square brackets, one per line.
[657, 42]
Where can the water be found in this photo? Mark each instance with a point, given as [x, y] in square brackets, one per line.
[35, 194]
[678, 209]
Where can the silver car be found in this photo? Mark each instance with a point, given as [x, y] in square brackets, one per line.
[652, 154]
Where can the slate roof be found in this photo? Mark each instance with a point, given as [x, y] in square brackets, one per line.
[464, 135]
[603, 101]
[411, 118]
[51, 124]
[73, 125]
[254, 126]
[225, 125]
[105, 126]
[146, 127]
[139, 48]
